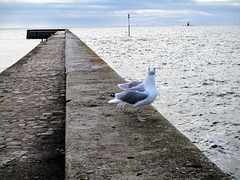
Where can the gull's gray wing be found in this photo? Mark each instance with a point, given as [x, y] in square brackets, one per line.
[126, 86]
[131, 96]
[140, 87]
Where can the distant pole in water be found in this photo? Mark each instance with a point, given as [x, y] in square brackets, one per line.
[128, 24]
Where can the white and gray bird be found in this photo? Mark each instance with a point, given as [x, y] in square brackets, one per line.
[137, 93]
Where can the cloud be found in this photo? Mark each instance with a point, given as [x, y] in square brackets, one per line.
[33, 1]
[96, 7]
[141, 13]
[220, 2]
[162, 13]
[214, 0]
[50, 1]
[206, 1]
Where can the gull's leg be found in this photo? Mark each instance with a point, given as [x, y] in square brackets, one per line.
[141, 119]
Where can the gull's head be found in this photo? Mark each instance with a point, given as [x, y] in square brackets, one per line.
[151, 70]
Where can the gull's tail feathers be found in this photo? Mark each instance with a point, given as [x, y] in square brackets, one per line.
[114, 101]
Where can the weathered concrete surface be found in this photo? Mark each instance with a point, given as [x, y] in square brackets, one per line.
[32, 114]
[103, 142]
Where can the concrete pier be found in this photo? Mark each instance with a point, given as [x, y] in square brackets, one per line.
[103, 142]
[98, 142]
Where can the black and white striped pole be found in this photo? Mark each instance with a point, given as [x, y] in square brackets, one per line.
[128, 24]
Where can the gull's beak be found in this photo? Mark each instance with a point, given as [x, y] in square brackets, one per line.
[151, 70]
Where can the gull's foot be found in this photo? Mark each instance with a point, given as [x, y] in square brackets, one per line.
[141, 119]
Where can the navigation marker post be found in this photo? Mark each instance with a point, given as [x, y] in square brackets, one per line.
[128, 24]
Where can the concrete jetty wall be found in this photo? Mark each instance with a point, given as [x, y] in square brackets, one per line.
[103, 142]
[40, 125]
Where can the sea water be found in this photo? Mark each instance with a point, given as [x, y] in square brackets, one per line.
[13, 46]
[198, 76]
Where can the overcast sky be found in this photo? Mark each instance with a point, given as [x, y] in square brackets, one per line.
[77, 13]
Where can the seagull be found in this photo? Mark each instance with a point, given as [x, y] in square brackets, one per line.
[137, 93]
